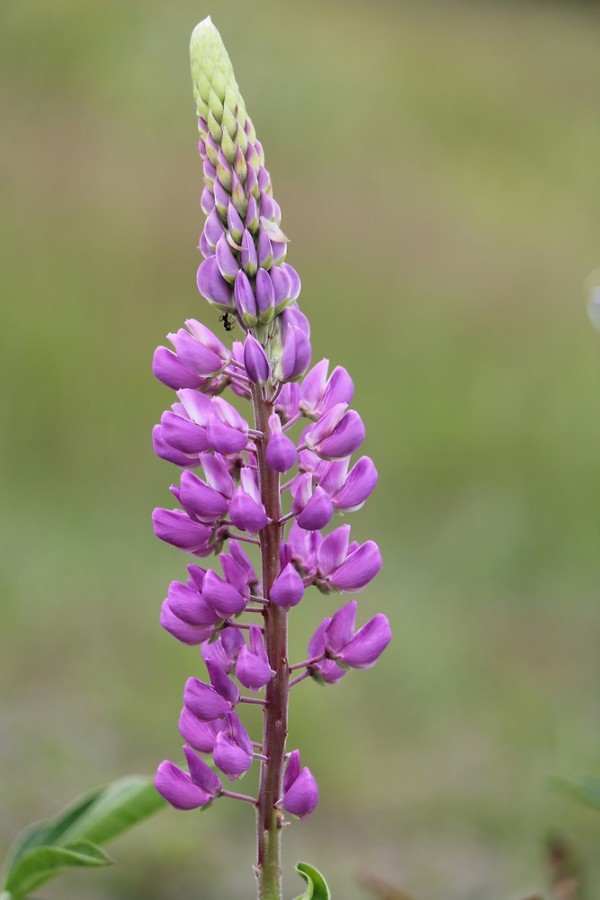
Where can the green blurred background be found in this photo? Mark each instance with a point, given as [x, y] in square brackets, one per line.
[437, 167]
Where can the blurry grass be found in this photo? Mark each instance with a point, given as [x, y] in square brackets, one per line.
[437, 168]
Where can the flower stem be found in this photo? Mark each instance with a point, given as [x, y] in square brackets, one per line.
[235, 796]
[268, 863]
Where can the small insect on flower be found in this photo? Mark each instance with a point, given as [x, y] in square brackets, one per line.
[228, 321]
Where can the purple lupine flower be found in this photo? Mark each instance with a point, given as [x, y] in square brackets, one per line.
[247, 511]
[184, 791]
[280, 452]
[255, 361]
[224, 651]
[288, 588]
[211, 701]
[233, 751]
[312, 507]
[323, 670]
[358, 486]
[186, 614]
[367, 645]
[252, 667]
[234, 496]
[319, 393]
[199, 734]
[222, 596]
[337, 434]
[357, 570]
[201, 500]
[300, 790]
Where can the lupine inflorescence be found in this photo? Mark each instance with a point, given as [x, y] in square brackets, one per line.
[269, 537]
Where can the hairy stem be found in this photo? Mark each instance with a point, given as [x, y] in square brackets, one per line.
[268, 863]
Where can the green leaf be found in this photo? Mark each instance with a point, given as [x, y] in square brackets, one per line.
[585, 789]
[95, 818]
[117, 807]
[42, 863]
[49, 832]
[316, 885]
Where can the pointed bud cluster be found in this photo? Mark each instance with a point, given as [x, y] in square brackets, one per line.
[244, 270]
[229, 494]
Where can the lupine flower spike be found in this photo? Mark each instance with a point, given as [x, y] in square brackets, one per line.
[273, 540]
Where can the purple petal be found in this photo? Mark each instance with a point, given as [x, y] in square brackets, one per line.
[177, 787]
[187, 604]
[249, 257]
[208, 338]
[279, 253]
[340, 389]
[232, 641]
[292, 770]
[183, 435]
[171, 371]
[235, 226]
[196, 407]
[327, 672]
[281, 452]
[224, 598]
[358, 486]
[201, 773]
[252, 671]
[294, 280]
[235, 574]
[200, 499]
[281, 287]
[317, 512]
[313, 387]
[265, 250]
[165, 451]
[345, 439]
[325, 426]
[204, 701]
[214, 652]
[183, 631]
[333, 550]
[223, 438]
[229, 414]
[213, 228]
[331, 474]
[213, 286]
[200, 735]
[302, 492]
[246, 514]
[176, 528]
[358, 569]
[341, 628]
[288, 588]
[195, 356]
[302, 797]
[226, 261]
[255, 361]
[368, 644]
[245, 301]
[217, 474]
[197, 575]
[207, 200]
[230, 758]
[223, 683]
[316, 645]
[235, 730]
[305, 547]
[242, 560]
[265, 295]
